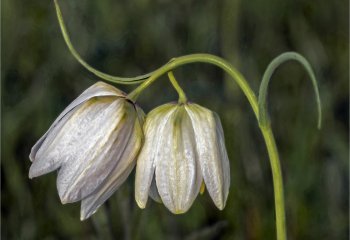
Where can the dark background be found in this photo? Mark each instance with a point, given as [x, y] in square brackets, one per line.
[126, 38]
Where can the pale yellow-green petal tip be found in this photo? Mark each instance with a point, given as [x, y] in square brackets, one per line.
[83, 218]
[64, 198]
[221, 206]
[64, 201]
[140, 203]
[179, 211]
[202, 189]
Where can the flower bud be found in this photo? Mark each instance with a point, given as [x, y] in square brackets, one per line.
[93, 143]
[184, 145]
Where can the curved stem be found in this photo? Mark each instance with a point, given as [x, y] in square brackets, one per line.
[266, 129]
[204, 58]
[182, 95]
[107, 77]
[275, 63]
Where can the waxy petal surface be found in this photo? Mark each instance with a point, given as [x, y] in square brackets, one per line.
[101, 131]
[212, 153]
[126, 163]
[153, 191]
[153, 127]
[99, 89]
[178, 175]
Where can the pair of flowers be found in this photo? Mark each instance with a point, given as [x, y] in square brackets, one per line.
[97, 140]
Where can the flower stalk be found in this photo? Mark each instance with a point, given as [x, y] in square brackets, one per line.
[201, 58]
[182, 95]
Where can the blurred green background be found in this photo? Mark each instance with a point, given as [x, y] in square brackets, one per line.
[126, 38]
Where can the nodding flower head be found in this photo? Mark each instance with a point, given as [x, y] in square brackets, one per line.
[184, 145]
[93, 143]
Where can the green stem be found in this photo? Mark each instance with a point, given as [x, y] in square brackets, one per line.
[204, 58]
[107, 77]
[265, 129]
[277, 181]
[275, 63]
[182, 95]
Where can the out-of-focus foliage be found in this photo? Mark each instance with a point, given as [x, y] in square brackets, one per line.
[40, 78]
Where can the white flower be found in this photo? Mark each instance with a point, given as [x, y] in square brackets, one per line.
[184, 145]
[93, 143]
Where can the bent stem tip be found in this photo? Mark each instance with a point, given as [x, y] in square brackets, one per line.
[263, 115]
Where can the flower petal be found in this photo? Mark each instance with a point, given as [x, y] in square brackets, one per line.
[154, 125]
[153, 191]
[98, 89]
[121, 171]
[213, 157]
[178, 174]
[42, 164]
[101, 131]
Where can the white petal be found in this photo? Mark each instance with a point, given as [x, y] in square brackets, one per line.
[125, 165]
[213, 157]
[178, 175]
[42, 164]
[154, 125]
[153, 191]
[100, 134]
[98, 89]
[223, 157]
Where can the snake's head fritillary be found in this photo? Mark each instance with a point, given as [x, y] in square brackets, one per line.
[93, 144]
[184, 145]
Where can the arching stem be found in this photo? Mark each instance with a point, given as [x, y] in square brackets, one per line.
[76, 55]
[264, 124]
[275, 63]
[201, 58]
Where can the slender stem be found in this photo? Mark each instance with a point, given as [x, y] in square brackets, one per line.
[182, 95]
[76, 55]
[265, 129]
[204, 58]
[277, 181]
[275, 63]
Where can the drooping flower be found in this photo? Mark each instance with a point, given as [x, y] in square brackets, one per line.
[184, 146]
[93, 143]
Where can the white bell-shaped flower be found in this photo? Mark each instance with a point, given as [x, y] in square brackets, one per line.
[184, 145]
[93, 143]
